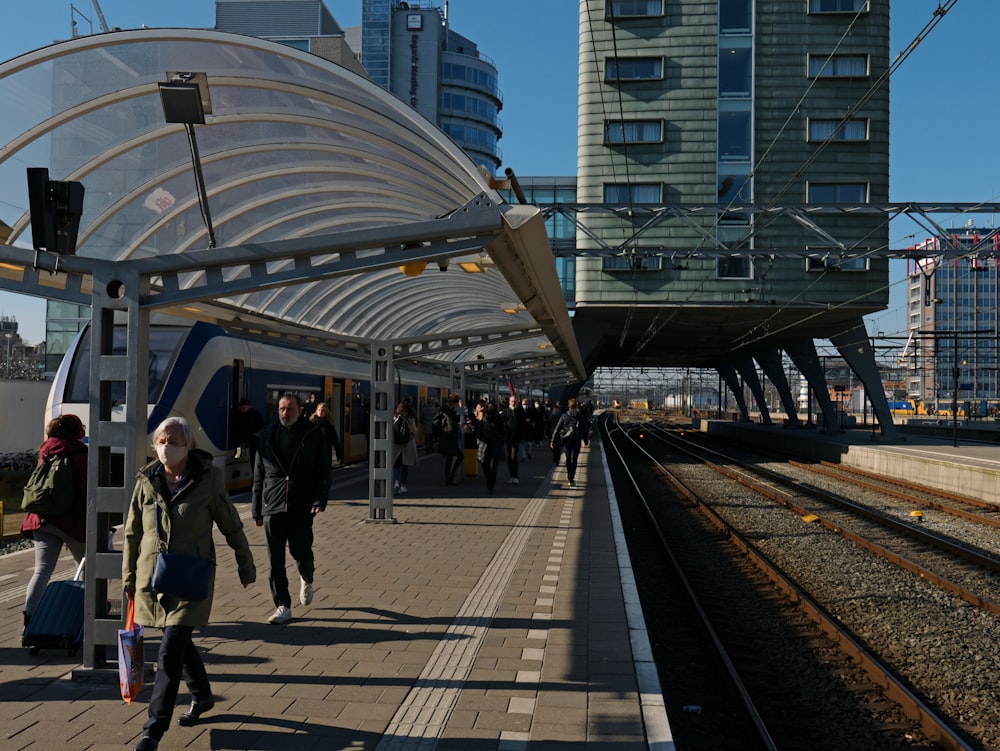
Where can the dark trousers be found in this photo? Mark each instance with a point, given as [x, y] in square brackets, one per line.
[451, 464]
[510, 450]
[491, 463]
[572, 450]
[296, 531]
[178, 658]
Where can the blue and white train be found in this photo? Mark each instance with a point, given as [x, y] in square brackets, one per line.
[201, 372]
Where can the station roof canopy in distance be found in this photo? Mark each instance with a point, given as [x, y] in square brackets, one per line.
[320, 185]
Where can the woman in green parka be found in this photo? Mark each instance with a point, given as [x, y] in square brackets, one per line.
[183, 487]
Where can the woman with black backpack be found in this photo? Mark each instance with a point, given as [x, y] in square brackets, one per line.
[404, 445]
[570, 431]
[490, 440]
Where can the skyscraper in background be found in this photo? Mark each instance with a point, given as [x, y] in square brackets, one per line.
[409, 49]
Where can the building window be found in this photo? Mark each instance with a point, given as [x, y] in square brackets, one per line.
[837, 6]
[821, 129]
[633, 131]
[838, 66]
[734, 267]
[632, 8]
[830, 260]
[735, 72]
[838, 193]
[632, 262]
[633, 69]
[734, 136]
[735, 16]
[632, 193]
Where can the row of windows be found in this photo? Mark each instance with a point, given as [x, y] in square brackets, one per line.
[482, 108]
[732, 267]
[471, 135]
[454, 72]
[733, 14]
[734, 69]
[855, 193]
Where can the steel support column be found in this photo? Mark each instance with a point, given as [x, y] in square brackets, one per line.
[380, 435]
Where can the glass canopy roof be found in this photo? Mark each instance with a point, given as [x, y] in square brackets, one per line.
[294, 146]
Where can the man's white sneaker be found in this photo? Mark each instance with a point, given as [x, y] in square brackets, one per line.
[282, 615]
[395, 487]
[306, 592]
[514, 481]
[403, 489]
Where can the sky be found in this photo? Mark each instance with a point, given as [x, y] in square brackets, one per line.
[943, 106]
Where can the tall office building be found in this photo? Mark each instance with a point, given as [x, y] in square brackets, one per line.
[953, 322]
[728, 104]
[305, 24]
[409, 49]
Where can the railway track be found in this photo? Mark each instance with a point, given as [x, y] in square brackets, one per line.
[842, 584]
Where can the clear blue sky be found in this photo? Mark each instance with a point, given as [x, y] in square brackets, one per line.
[944, 105]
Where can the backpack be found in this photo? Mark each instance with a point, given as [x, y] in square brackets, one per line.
[444, 422]
[49, 490]
[401, 430]
[570, 430]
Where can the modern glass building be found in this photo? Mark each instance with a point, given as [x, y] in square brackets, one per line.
[953, 323]
[409, 49]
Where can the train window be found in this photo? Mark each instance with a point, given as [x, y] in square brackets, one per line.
[163, 342]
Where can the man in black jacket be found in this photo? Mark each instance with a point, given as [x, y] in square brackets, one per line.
[291, 481]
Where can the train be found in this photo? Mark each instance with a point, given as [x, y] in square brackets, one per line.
[974, 409]
[201, 371]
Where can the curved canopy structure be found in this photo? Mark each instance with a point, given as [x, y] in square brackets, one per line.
[320, 186]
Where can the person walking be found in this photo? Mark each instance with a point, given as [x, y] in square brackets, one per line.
[247, 422]
[291, 483]
[404, 445]
[513, 420]
[324, 421]
[427, 415]
[64, 437]
[450, 445]
[569, 433]
[177, 500]
[490, 438]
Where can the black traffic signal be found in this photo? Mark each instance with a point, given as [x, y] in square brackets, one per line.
[56, 208]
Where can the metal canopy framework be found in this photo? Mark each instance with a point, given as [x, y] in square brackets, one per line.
[295, 149]
[323, 188]
[759, 217]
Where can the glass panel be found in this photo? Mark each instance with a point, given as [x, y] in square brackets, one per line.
[838, 66]
[735, 72]
[855, 130]
[733, 267]
[634, 193]
[626, 8]
[734, 136]
[633, 131]
[735, 16]
[837, 6]
[633, 69]
[838, 192]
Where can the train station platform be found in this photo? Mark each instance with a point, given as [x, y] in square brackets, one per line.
[476, 621]
[959, 460]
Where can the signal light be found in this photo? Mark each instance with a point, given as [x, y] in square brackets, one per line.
[56, 208]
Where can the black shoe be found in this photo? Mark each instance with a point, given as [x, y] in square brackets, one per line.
[195, 711]
[146, 744]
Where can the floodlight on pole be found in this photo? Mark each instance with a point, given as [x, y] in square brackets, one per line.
[184, 102]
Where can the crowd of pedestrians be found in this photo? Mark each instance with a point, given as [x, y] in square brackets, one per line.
[177, 501]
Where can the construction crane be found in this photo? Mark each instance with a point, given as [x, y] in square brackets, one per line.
[101, 23]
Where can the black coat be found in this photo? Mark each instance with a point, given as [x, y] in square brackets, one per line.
[299, 487]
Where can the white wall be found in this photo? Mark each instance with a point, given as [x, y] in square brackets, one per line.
[22, 414]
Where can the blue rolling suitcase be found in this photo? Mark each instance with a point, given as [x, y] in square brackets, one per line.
[57, 622]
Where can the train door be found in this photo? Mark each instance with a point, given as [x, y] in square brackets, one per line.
[333, 395]
[356, 415]
[238, 469]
